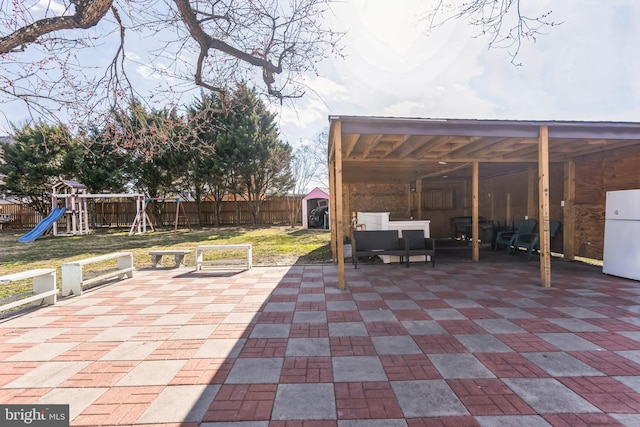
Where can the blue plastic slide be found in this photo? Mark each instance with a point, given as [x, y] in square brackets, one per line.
[43, 226]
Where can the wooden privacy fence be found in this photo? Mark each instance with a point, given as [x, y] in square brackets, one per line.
[103, 213]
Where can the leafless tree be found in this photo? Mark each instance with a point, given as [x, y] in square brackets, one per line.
[506, 23]
[303, 170]
[309, 168]
[75, 56]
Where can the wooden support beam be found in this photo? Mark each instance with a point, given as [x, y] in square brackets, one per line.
[338, 220]
[372, 146]
[524, 154]
[473, 146]
[593, 148]
[492, 203]
[475, 230]
[543, 180]
[399, 144]
[347, 206]
[332, 201]
[419, 197]
[430, 146]
[446, 170]
[531, 192]
[568, 212]
[350, 143]
[331, 154]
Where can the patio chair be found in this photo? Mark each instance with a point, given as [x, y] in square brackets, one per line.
[420, 245]
[509, 238]
[532, 242]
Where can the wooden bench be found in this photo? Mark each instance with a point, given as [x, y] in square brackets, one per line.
[73, 279]
[378, 242]
[44, 287]
[178, 256]
[245, 262]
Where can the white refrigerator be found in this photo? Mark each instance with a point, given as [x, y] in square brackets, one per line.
[622, 234]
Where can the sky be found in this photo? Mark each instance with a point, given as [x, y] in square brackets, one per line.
[587, 68]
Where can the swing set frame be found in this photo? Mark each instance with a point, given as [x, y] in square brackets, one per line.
[143, 215]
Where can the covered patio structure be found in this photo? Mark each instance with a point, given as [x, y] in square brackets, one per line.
[413, 151]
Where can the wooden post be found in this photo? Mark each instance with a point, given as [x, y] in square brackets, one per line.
[475, 231]
[492, 203]
[543, 181]
[568, 212]
[338, 221]
[531, 192]
[346, 195]
[419, 198]
[332, 203]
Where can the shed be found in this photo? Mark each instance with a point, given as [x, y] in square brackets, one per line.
[316, 198]
[414, 152]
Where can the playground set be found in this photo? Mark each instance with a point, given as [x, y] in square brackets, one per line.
[69, 200]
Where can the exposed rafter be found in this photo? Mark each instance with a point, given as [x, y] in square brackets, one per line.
[378, 149]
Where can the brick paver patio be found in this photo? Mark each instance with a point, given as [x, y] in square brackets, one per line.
[461, 344]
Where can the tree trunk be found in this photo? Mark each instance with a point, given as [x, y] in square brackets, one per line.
[217, 207]
[198, 200]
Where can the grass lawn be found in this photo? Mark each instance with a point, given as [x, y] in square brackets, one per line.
[271, 246]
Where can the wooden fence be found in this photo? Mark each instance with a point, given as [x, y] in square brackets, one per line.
[273, 211]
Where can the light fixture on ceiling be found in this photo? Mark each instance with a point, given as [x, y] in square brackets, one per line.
[445, 176]
[442, 163]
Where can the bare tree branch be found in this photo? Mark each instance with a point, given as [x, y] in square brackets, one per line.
[503, 22]
[88, 13]
[211, 44]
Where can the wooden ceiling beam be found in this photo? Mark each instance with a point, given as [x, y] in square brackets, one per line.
[590, 150]
[349, 142]
[629, 150]
[398, 145]
[446, 171]
[528, 152]
[474, 146]
[511, 144]
[372, 146]
[565, 146]
[423, 151]
[433, 144]
[408, 148]
[356, 147]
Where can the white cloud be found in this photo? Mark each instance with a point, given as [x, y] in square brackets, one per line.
[405, 109]
[147, 72]
[325, 88]
[584, 69]
[304, 114]
[54, 6]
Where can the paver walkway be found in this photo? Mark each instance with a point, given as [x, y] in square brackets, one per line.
[461, 344]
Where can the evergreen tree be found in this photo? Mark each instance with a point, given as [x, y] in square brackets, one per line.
[206, 167]
[100, 164]
[41, 156]
[259, 159]
[152, 140]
